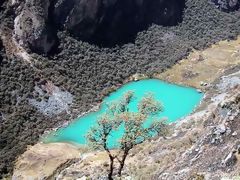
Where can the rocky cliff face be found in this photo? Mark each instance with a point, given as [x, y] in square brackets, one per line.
[101, 22]
[104, 22]
[31, 26]
[112, 22]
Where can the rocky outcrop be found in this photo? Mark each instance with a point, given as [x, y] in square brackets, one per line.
[57, 101]
[101, 22]
[31, 26]
[113, 22]
[97, 21]
[227, 5]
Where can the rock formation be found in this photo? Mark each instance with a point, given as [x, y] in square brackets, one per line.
[227, 5]
[31, 26]
[101, 22]
[112, 22]
[104, 22]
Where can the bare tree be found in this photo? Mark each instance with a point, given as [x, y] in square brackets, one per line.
[135, 131]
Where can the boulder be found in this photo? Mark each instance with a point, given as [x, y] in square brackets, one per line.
[230, 159]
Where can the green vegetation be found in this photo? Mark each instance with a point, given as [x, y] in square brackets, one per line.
[88, 72]
[135, 133]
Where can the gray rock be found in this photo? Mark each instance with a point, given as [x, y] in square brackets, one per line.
[203, 83]
[58, 102]
[230, 160]
[30, 26]
[231, 118]
[228, 131]
[238, 149]
[221, 129]
[227, 5]
[234, 133]
[229, 113]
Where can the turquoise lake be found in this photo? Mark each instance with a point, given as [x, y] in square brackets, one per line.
[178, 101]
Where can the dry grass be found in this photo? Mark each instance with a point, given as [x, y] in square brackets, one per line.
[207, 65]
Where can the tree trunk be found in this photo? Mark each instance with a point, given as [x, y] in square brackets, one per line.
[122, 163]
[110, 167]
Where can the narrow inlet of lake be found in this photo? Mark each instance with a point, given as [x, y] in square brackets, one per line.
[178, 101]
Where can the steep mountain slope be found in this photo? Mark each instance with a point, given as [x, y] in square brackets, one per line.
[102, 22]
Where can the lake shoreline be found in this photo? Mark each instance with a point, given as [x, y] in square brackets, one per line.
[171, 95]
[200, 82]
[210, 91]
[133, 78]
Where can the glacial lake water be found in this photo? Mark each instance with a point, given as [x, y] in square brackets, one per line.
[178, 101]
